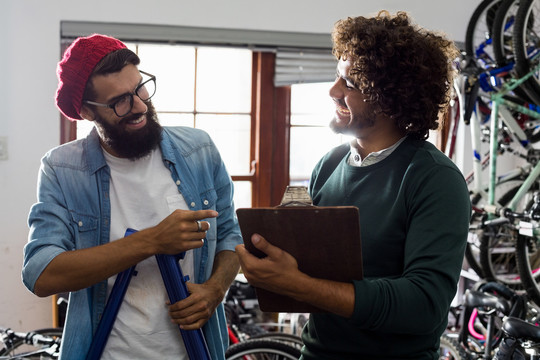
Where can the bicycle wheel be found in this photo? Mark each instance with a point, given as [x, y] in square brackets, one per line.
[17, 347]
[498, 245]
[290, 339]
[478, 37]
[504, 192]
[449, 349]
[262, 349]
[502, 37]
[528, 261]
[525, 43]
[472, 250]
[498, 256]
[503, 27]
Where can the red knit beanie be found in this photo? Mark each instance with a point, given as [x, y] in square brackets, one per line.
[75, 68]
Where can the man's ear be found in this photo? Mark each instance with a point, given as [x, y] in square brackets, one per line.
[87, 113]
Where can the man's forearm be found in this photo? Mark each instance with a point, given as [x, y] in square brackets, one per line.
[79, 269]
[333, 296]
[225, 269]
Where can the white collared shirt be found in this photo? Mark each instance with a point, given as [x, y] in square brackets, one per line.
[355, 159]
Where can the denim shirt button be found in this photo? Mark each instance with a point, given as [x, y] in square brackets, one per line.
[205, 202]
[177, 182]
[192, 204]
[80, 223]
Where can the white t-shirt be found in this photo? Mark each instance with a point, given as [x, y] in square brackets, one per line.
[142, 194]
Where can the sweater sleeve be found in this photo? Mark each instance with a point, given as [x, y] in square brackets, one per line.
[438, 211]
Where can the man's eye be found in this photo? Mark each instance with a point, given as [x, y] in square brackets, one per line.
[123, 100]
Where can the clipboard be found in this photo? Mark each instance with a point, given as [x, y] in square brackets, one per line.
[325, 241]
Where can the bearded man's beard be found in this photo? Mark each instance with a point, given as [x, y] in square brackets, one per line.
[132, 144]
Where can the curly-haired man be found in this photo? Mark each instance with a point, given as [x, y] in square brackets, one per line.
[392, 82]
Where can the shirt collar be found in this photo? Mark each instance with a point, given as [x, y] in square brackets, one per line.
[355, 159]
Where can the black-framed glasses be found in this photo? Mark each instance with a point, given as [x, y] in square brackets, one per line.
[124, 104]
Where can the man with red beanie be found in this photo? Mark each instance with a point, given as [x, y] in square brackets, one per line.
[129, 172]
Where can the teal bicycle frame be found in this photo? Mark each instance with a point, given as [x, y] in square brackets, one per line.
[498, 99]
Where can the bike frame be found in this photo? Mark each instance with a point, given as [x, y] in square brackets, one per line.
[475, 179]
[498, 100]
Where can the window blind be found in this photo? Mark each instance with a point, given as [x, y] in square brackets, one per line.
[295, 66]
[300, 57]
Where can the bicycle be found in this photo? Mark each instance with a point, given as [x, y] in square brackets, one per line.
[477, 83]
[516, 129]
[507, 221]
[488, 64]
[521, 341]
[37, 344]
[478, 328]
[248, 336]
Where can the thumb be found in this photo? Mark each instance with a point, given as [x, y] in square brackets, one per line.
[263, 245]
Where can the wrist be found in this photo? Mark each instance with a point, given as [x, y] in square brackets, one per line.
[142, 241]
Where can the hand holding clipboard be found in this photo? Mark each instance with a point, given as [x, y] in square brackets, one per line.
[309, 234]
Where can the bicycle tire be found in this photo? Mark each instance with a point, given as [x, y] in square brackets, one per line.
[502, 32]
[502, 37]
[473, 248]
[472, 257]
[528, 260]
[498, 246]
[524, 39]
[17, 344]
[290, 339]
[478, 34]
[262, 349]
[449, 349]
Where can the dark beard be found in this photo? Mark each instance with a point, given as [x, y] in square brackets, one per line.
[132, 145]
[365, 119]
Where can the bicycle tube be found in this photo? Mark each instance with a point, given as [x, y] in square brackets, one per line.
[524, 42]
[262, 349]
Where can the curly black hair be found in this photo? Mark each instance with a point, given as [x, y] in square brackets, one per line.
[405, 71]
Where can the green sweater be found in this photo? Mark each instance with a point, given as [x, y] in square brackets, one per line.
[414, 218]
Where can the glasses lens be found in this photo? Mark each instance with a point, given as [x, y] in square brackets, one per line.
[147, 90]
[124, 105]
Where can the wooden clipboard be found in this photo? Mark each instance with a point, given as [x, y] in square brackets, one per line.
[325, 241]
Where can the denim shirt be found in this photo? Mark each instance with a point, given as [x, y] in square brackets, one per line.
[73, 212]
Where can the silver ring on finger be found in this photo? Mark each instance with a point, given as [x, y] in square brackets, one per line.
[199, 226]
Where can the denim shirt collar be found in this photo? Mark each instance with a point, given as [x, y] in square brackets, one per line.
[93, 152]
[167, 148]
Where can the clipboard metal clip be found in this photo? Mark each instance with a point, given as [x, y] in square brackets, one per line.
[296, 196]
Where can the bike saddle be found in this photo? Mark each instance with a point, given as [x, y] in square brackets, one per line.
[521, 329]
[477, 299]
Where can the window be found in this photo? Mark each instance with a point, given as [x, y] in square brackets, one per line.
[312, 109]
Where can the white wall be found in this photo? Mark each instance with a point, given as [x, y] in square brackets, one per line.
[29, 45]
